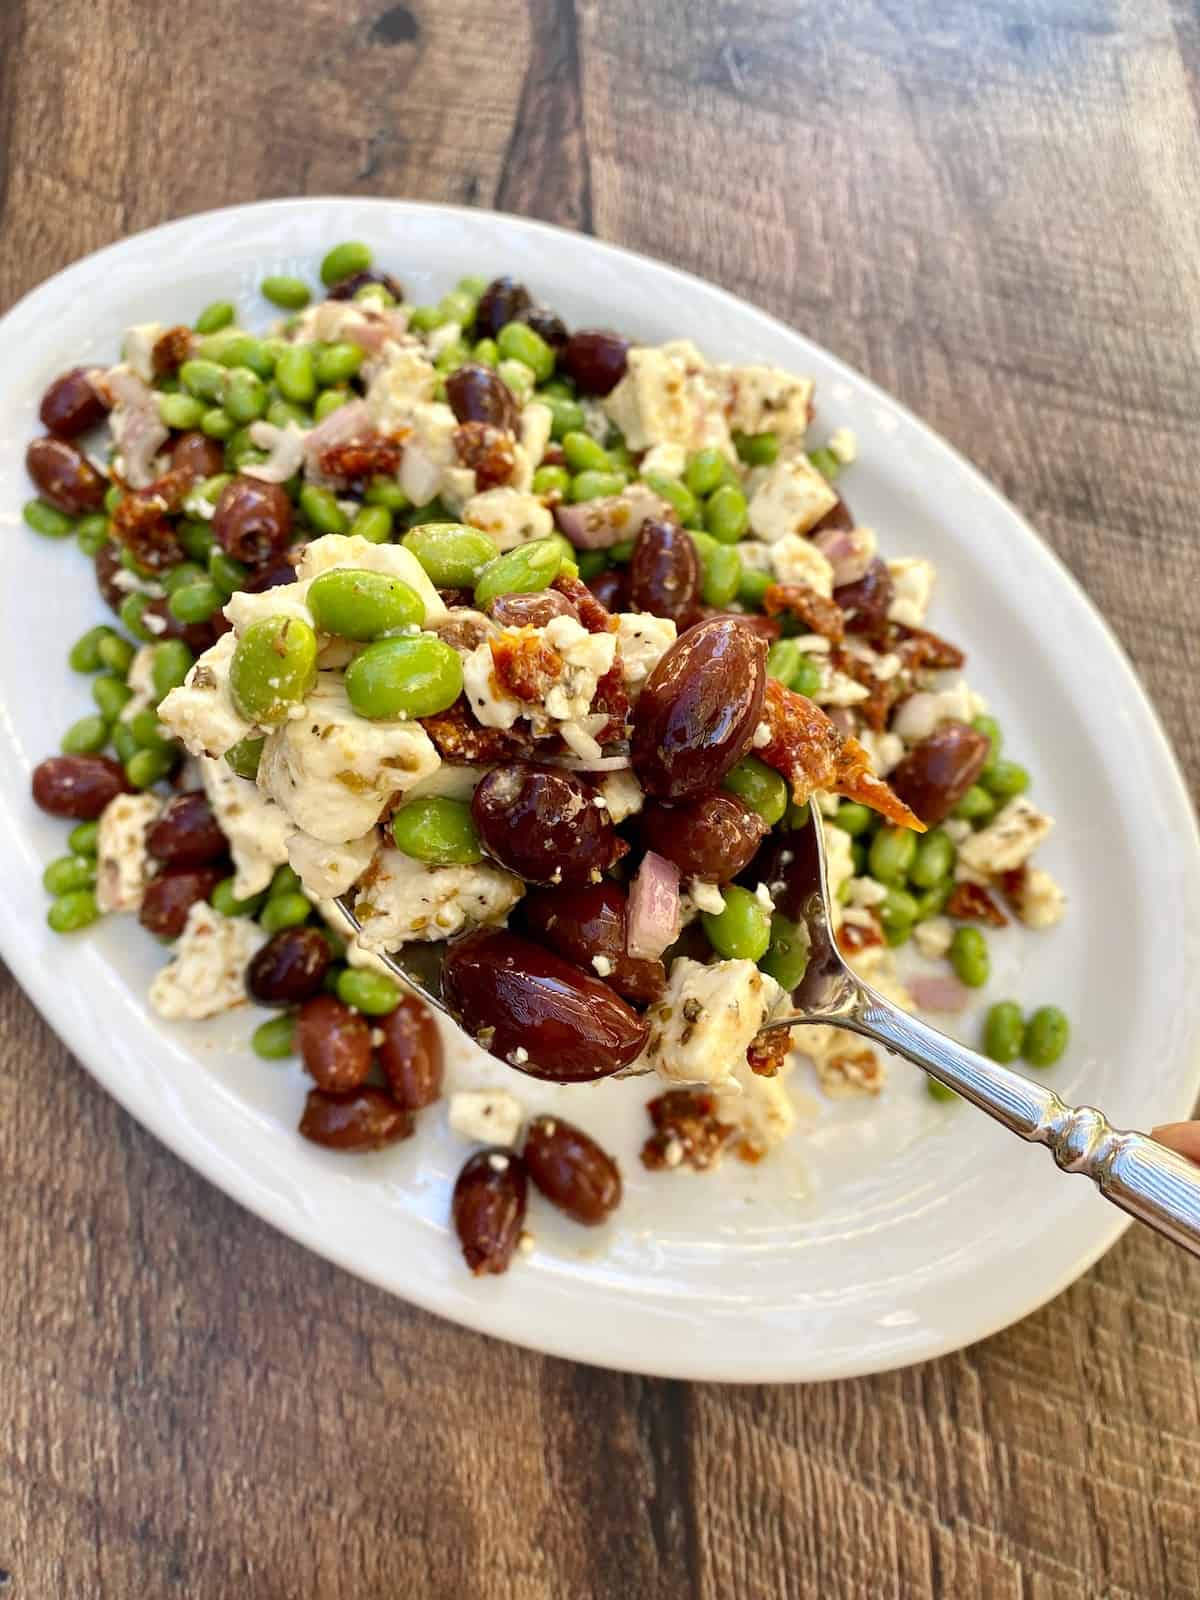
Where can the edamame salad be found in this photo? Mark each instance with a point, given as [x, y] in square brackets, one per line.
[538, 646]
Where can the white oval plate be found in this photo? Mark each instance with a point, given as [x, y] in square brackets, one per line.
[893, 1230]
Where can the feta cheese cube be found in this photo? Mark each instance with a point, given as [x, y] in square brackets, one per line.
[665, 398]
[206, 974]
[760, 1108]
[242, 610]
[792, 498]
[327, 870]
[200, 712]
[508, 517]
[912, 579]
[400, 900]
[701, 1028]
[670, 459]
[407, 380]
[623, 796]
[486, 1116]
[123, 864]
[255, 826]
[644, 640]
[759, 399]
[140, 679]
[1038, 900]
[137, 349]
[1008, 840]
[797, 560]
[933, 937]
[924, 712]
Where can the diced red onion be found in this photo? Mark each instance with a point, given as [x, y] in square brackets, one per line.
[599, 524]
[286, 446]
[653, 908]
[940, 993]
[138, 430]
[350, 421]
[380, 326]
[847, 551]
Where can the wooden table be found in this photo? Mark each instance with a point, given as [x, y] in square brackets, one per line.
[994, 210]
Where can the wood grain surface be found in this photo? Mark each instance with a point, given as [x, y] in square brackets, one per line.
[993, 209]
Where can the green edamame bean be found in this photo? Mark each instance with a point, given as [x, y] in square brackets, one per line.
[224, 900]
[808, 677]
[123, 742]
[244, 350]
[170, 665]
[424, 319]
[284, 880]
[290, 294]
[439, 831]
[377, 295]
[596, 485]
[933, 860]
[197, 538]
[327, 401]
[676, 494]
[217, 424]
[214, 317]
[621, 553]
[85, 737]
[386, 492]
[345, 261]
[976, 805]
[1003, 1032]
[275, 1039]
[295, 374]
[178, 577]
[583, 454]
[799, 817]
[363, 605]
[620, 456]
[91, 533]
[321, 509]
[282, 414]
[897, 909]
[284, 911]
[180, 411]
[567, 415]
[892, 853]
[202, 379]
[111, 694]
[130, 612]
[458, 306]
[858, 855]
[486, 353]
[1004, 779]
[374, 524]
[274, 666]
[148, 732]
[67, 873]
[932, 902]
[1046, 1037]
[752, 589]
[84, 654]
[47, 520]
[146, 767]
[372, 993]
[131, 564]
[408, 677]
[519, 378]
[762, 788]
[783, 659]
[721, 575]
[757, 449]
[786, 959]
[525, 570]
[244, 395]
[591, 563]
[990, 728]
[705, 472]
[742, 932]
[939, 1091]
[452, 356]
[228, 575]
[195, 602]
[552, 480]
[84, 838]
[473, 284]
[241, 451]
[726, 515]
[115, 653]
[244, 757]
[452, 554]
[518, 342]
[969, 957]
[336, 363]
[113, 496]
[826, 463]
[852, 818]
[73, 911]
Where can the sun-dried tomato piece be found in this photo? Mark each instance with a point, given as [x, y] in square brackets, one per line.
[171, 350]
[801, 600]
[488, 451]
[361, 458]
[594, 617]
[611, 697]
[461, 738]
[855, 936]
[525, 665]
[767, 1051]
[687, 1132]
[919, 649]
[140, 523]
[972, 903]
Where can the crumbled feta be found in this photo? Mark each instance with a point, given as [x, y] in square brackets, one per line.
[255, 826]
[912, 579]
[702, 1026]
[839, 863]
[956, 830]
[922, 713]
[137, 349]
[706, 897]
[138, 432]
[140, 679]
[1008, 840]
[508, 516]
[623, 796]
[332, 771]
[669, 459]
[327, 870]
[760, 399]
[884, 750]
[439, 339]
[644, 640]
[1038, 900]
[206, 974]
[796, 559]
[286, 600]
[839, 689]
[327, 322]
[665, 397]
[123, 863]
[602, 966]
[401, 899]
[486, 1116]
[537, 420]
[585, 657]
[866, 892]
[350, 550]
[933, 937]
[595, 418]
[851, 1071]
[130, 583]
[844, 446]
[200, 712]
[449, 782]
[763, 895]
[407, 380]
[792, 498]
[756, 556]
[760, 1108]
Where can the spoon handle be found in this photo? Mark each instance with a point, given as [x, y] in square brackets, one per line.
[1136, 1173]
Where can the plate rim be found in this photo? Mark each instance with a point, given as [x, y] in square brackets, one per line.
[476, 1314]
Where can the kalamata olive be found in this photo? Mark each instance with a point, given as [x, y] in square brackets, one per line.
[536, 1011]
[714, 837]
[186, 833]
[611, 588]
[586, 925]
[477, 394]
[357, 1119]
[935, 774]
[696, 715]
[64, 476]
[107, 564]
[543, 824]
[501, 302]
[289, 968]
[411, 1054]
[840, 516]
[596, 359]
[197, 455]
[334, 1043]
[866, 602]
[70, 405]
[172, 894]
[664, 574]
[531, 610]
[253, 520]
[571, 1170]
[78, 786]
[347, 288]
[547, 324]
[488, 1209]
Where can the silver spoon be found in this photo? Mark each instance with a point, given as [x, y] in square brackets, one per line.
[1131, 1170]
